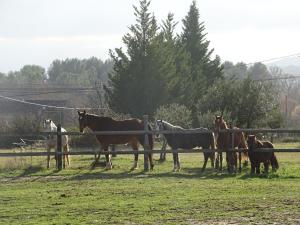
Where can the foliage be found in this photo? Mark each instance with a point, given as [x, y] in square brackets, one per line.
[21, 124]
[78, 72]
[29, 74]
[249, 102]
[237, 71]
[175, 114]
[161, 68]
[137, 83]
[207, 119]
[202, 70]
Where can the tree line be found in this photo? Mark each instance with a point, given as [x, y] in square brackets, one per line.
[162, 72]
[167, 74]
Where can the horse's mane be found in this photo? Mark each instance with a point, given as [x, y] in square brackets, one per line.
[258, 143]
[171, 126]
[97, 116]
[106, 118]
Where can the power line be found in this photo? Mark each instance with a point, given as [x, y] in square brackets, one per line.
[278, 78]
[47, 106]
[276, 58]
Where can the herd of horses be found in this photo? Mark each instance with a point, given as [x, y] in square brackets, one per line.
[177, 138]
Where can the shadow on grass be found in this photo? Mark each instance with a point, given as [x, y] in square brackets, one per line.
[187, 173]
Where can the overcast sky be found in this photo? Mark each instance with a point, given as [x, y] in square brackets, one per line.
[39, 31]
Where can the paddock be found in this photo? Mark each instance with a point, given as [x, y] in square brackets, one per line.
[87, 194]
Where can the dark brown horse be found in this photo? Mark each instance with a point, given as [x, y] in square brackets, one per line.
[224, 141]
[256, 157]
[99, 123]
[204, 139]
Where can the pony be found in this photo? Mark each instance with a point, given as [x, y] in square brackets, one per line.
[205, 140]
[257, 157]
[102, 123]
[224, 141]
[51, 141]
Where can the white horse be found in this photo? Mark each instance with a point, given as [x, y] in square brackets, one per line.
[51, 141]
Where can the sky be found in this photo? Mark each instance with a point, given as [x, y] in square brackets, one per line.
[40, 31]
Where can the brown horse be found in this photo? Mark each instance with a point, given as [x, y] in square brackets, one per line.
[99, 123]
[224, 141]
[256, 157]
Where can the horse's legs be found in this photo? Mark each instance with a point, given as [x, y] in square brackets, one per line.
[107, 157]
[48, 157]
[205, 161]
[212, 159]
[257, 166]
[230, 158]
[240, 160]
[221, 160]
[135, 147]
[253, 167]
[235, 161]
[178, 162]
[266, 167]
[217, 161]
[174, 162]
[67, 156]
[151, 161]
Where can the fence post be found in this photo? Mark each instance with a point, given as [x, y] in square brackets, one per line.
[146, 144]
[59, 149]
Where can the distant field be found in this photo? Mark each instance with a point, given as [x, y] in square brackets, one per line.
[83, 195]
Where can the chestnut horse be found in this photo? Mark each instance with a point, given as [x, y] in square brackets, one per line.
[99, 123]
[224, 141]
[257, 157]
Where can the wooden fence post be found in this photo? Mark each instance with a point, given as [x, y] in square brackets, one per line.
[146, 144]
[59, 149]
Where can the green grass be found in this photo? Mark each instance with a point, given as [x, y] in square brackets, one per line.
[85, 195]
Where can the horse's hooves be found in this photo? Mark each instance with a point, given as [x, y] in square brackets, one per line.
[133, 168]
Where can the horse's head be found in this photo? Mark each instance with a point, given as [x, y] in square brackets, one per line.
[47, 124]
[159, 127]
[219, 122]
[82, 118]
[251, 141]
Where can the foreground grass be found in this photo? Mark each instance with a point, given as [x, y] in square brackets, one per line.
[85, 195]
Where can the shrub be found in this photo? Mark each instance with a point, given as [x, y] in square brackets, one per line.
[175, 114]
[207, 119]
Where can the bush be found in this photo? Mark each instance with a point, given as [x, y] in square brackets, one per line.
[207, 119]
[19, 125]
[175, 114]
[81, 140]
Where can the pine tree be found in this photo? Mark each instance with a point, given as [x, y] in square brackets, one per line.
[203, 71]
[137, 81]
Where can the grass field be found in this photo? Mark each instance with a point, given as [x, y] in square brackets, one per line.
[82, 195]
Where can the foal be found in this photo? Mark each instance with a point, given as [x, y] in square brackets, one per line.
[256, 158]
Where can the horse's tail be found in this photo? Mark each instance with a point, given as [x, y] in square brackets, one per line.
[213, 141]
[274, 161]
[245, 155]
[150, 137]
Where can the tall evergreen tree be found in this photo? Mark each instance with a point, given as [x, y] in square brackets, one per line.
[203, 70]
[138, 84]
